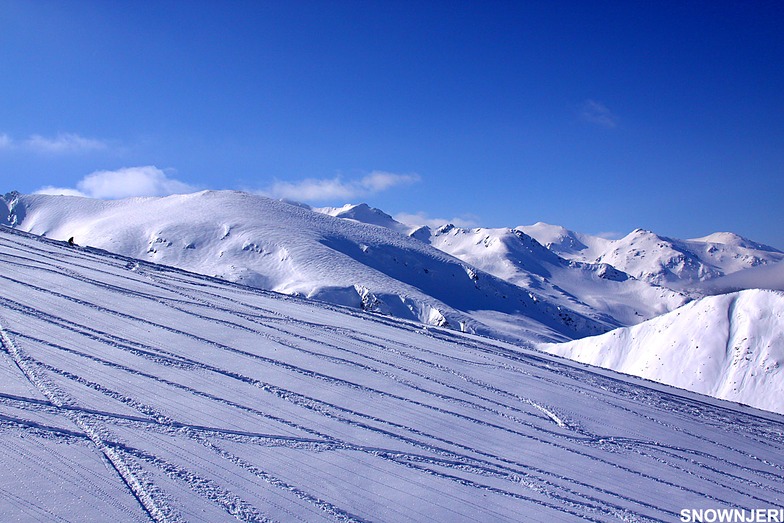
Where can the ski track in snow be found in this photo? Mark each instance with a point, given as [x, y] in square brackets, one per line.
[170, 396]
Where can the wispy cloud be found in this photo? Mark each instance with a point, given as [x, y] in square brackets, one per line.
[63, 143]
[599, 114]
[319, 190]
[59, 144]
[124, 183]
[60, 191]
[421, 218]
[610, 235]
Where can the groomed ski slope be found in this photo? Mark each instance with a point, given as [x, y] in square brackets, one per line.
[134, 392]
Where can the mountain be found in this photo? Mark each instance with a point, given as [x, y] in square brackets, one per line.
[516, 257]
[729, 346]
[532, 282]
[363, 213]
[567, 244]
[582, 272]
[677, 264]
[132, 391]
[290, 248]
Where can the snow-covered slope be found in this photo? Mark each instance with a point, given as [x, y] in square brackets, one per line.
[289, 248]
[732, 253]
[679, 264]
[648, 256]
[729, 346]
[135, 392]
[516, 257]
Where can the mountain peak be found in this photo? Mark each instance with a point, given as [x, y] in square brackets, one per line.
[734, 240]
[364, 213]
[640, 232]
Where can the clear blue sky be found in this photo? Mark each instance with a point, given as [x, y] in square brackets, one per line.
[599, 116]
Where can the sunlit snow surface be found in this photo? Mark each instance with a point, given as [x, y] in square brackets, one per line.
[729, 346]
[288, 248]
[130, 392]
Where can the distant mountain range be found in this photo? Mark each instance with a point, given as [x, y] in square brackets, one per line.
[528, 284]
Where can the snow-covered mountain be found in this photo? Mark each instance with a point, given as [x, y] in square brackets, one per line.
[516, 257]
[363, 213]
[729, 346]
[567, 244]
[631, 279]
[132, 392]
[290, 248]
[582, 272]
[678, 264]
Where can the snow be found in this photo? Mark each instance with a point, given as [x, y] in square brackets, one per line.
[589, 288]
[292, 249]
[530, 284]
[566, 243]
[131, 391]
[363, 213]
[729, 346]
[677, 264]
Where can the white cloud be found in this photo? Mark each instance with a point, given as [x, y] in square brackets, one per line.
[124, 183]
[378, 181]
[63, 143]
[598, 114]
[60, 144]
[313, 189]
[421, 218]
[610, 235]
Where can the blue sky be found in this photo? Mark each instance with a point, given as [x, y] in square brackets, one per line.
[599, 116]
